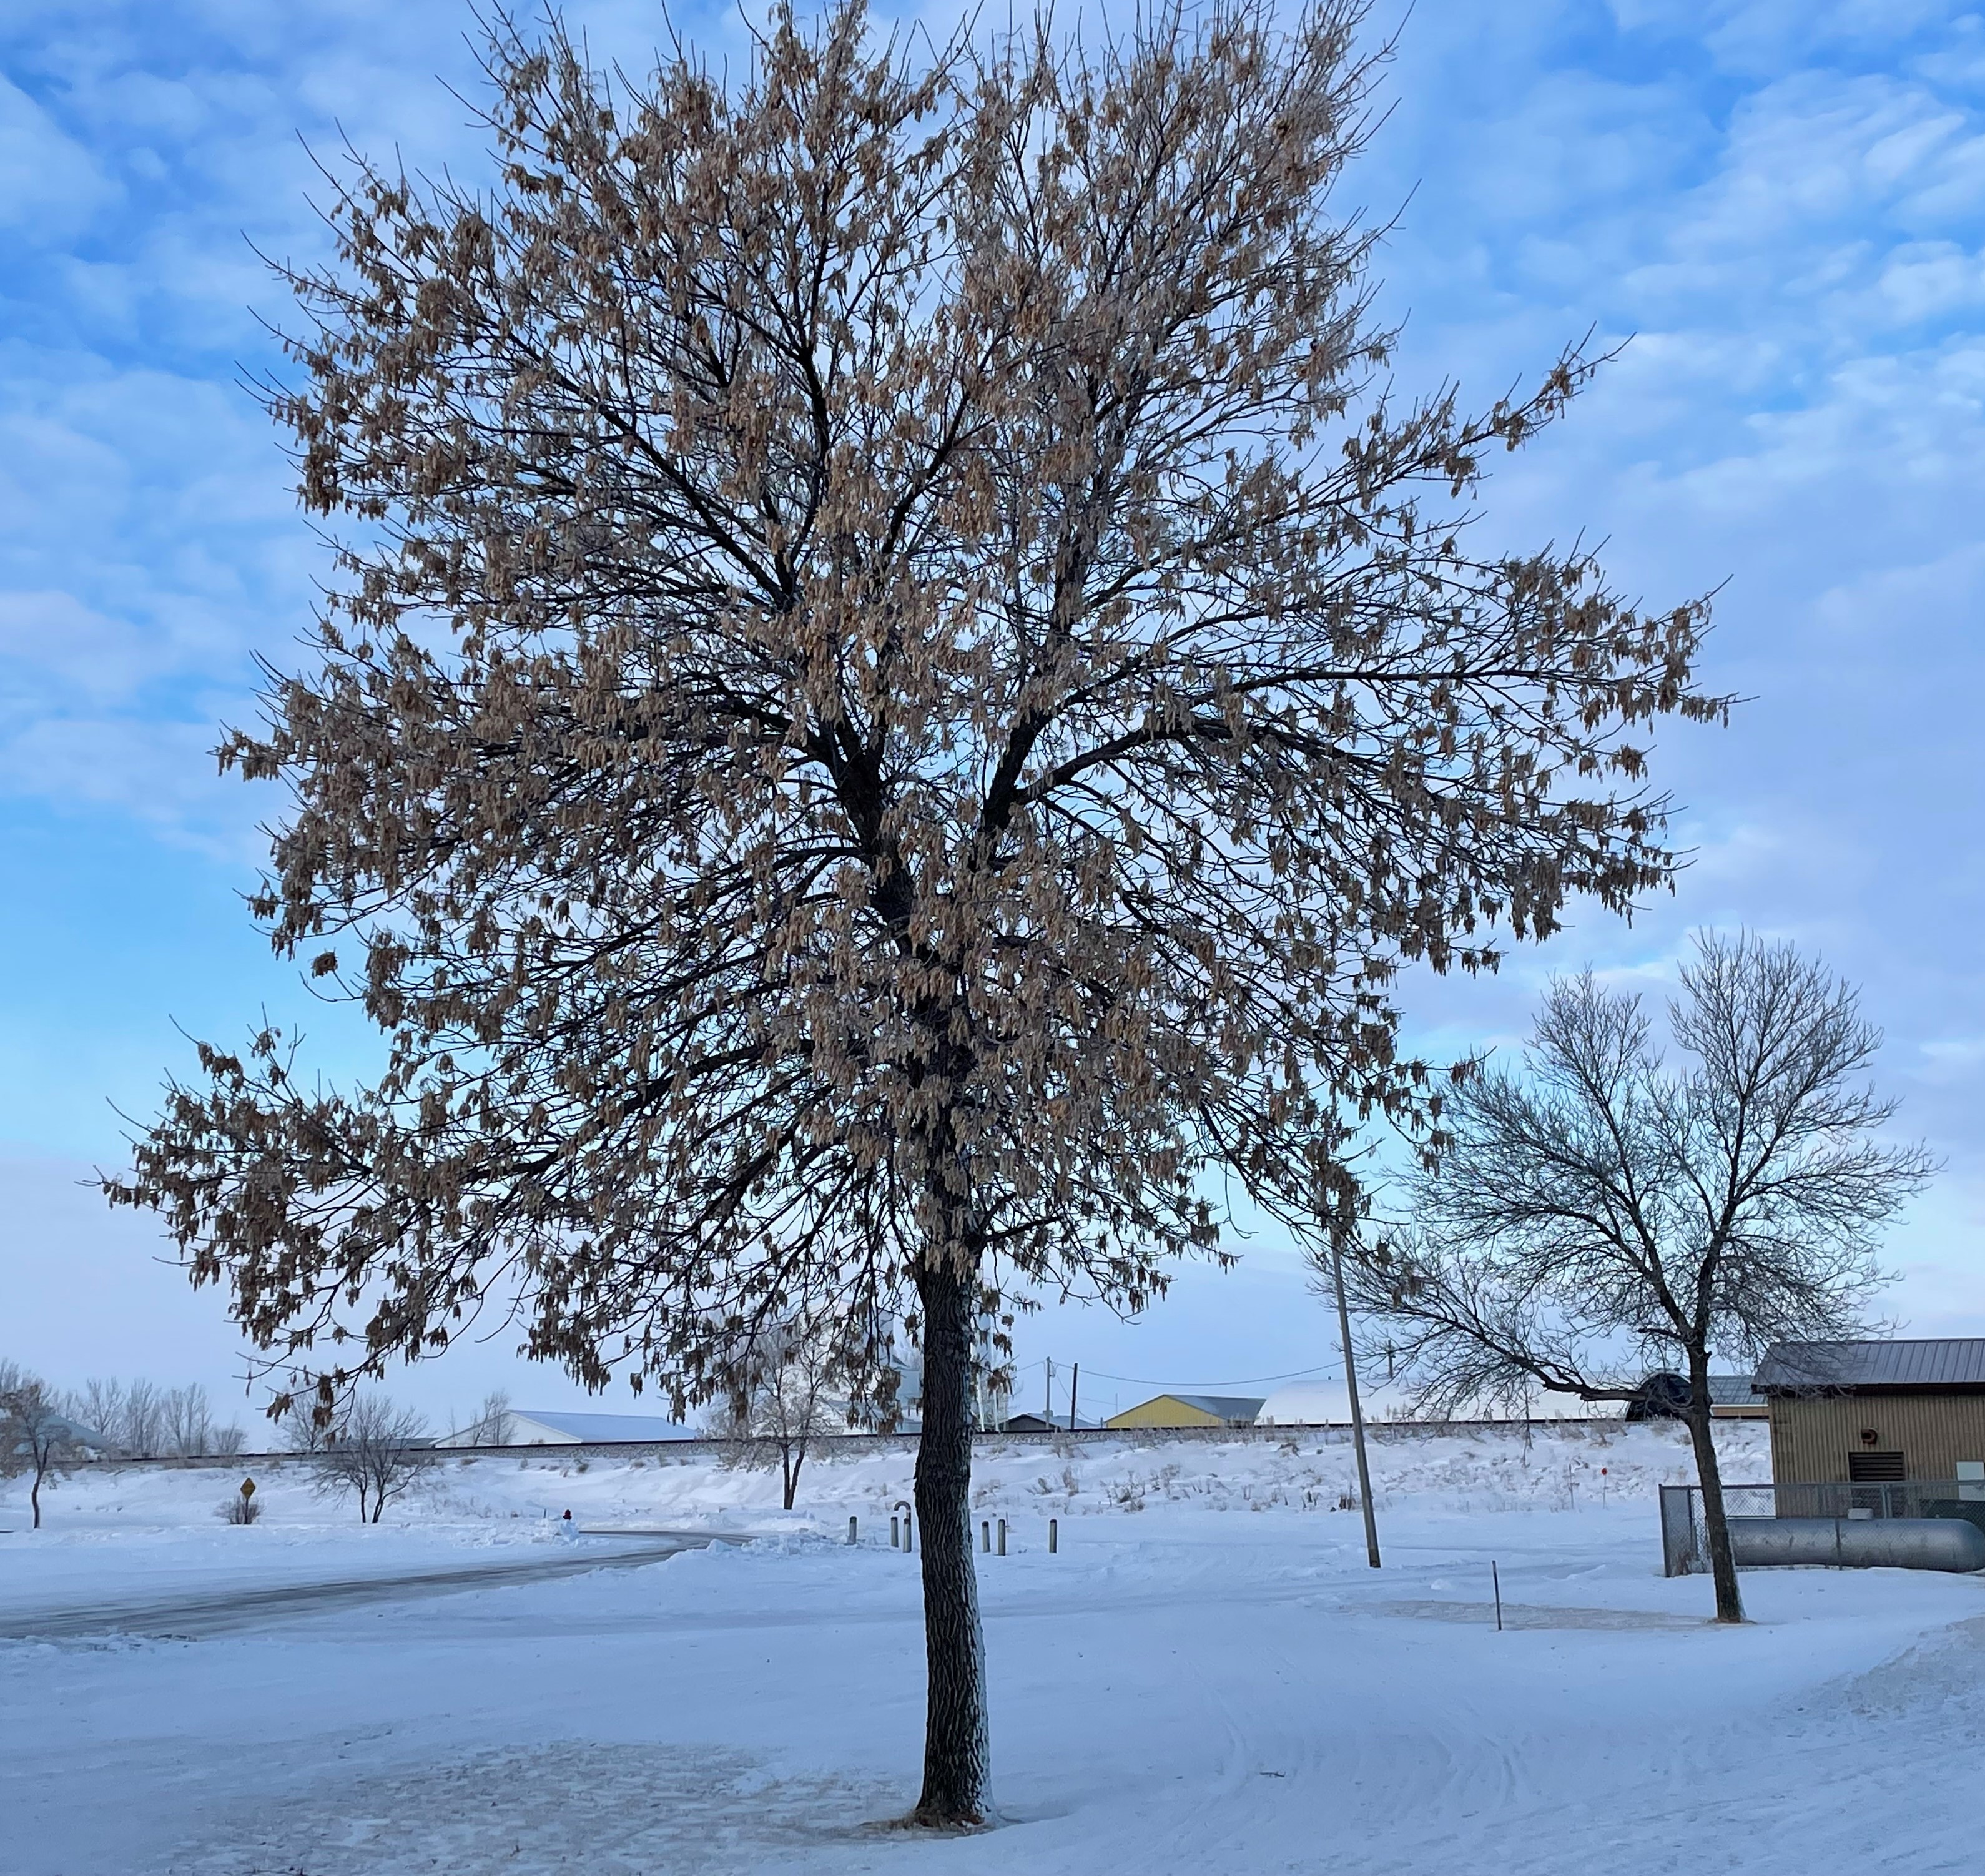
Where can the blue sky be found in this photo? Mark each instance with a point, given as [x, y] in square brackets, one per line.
[1780, 204]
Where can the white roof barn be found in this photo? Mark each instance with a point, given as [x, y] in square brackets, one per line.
[523, 1428]
[1326, 1403]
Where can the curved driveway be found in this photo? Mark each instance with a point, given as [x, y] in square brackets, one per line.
[222, 1612]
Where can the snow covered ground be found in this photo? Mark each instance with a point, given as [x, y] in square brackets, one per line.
[1206, 1679]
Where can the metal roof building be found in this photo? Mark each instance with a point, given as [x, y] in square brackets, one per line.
[1876, 1412]
[1951, 1362]
[1735, 1396]
[521, 1428]
[1189, 1410]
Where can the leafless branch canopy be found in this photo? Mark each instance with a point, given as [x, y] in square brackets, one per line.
[1600, 1212]
[374, 1450]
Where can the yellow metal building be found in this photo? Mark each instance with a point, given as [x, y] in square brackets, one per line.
[1189, 1410]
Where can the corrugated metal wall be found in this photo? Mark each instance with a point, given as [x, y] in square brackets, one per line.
[1812, 1436]
[1166, 1411]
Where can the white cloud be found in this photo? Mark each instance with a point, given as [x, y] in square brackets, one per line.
[50, 186]
[1796, 241]
[1957, 1057]
[51, 644]
[158, 774]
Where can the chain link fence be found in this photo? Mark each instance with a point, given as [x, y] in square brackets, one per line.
[1685, 1540]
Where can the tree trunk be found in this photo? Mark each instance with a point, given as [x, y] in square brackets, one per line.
[34, 1496]
[956, 1757]
[1716, 1525]
[790, 1462]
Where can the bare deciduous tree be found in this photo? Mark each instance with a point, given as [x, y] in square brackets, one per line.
[1600, 1211]
[131, 1418]
[144, 1421]
[37, 1438]
[104, 1404]
[793, 1393]
[375, 1450]
[492, 1423]
[304, 1431]
[189, 1421]
[892, 694]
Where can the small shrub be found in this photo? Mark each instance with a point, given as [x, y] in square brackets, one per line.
[1129, 1495]
[236, 1510]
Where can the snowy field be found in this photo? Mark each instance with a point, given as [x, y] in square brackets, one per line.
[1207, 1678]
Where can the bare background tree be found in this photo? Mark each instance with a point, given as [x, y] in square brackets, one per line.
[374, 1450]
[793, 1393]
[141, 1420]
[1599, 1212]
[892, 695]
[130, 1416]
[303, 1430]
[189, 1421]
[492, 1426]
[37, 1439]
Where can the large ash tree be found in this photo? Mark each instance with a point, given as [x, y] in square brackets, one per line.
[892, 695]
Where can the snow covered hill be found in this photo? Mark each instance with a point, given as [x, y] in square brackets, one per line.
[1561, 1467]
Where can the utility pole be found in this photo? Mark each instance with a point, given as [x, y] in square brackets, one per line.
[1047, 1394]
[1340, 1229]
[1074, 1382]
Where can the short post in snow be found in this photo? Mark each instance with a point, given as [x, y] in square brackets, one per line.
[894, 1529]
[1051, 1537]
[1002, 1537]
[1496, 1583]
[851, 1531]
[985, 1538]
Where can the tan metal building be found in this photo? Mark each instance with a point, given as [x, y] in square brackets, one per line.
[1873, 1413]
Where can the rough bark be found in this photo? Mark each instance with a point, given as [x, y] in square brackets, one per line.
[956, 1752]
[1715, 1522]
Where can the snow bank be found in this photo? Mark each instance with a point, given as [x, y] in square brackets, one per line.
[484, 1499]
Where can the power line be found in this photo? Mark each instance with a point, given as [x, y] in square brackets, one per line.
[1246, 1380]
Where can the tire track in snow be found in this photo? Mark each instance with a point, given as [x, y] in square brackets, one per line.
[225, 1611]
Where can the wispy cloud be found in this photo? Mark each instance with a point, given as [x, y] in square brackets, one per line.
[1781, 203]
